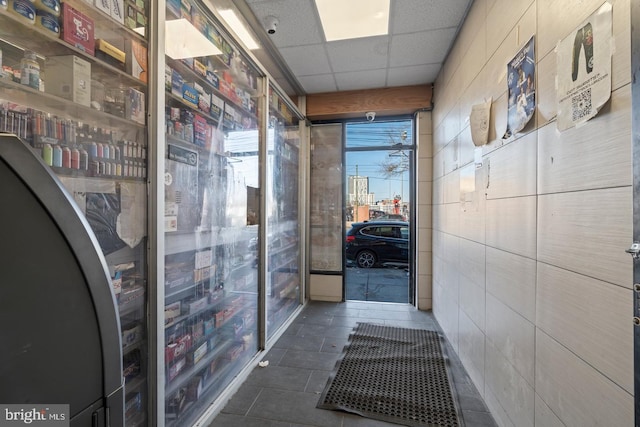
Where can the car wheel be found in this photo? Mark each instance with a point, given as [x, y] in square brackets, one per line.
[366, 259]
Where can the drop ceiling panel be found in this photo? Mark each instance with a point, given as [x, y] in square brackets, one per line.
[361, 79]
[410, 16]
[306, 60]
[359, 54]
[413, 75]
[428, 47]
[318, 84]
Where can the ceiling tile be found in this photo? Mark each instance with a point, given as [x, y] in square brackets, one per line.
[358, 54]
[318, 84]
[361, 79]
[408, 16]
[413, 75]
[298, 22]
[428, 47]
[306, 60]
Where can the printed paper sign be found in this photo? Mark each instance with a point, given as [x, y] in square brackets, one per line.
[584, 70]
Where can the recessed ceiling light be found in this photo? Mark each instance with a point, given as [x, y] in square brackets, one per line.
[239, 28]
[183, 40]
[350, 19]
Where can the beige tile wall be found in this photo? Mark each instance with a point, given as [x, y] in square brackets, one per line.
[530, 280]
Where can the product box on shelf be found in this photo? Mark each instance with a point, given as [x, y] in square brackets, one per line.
[200, 131]
[77, 29]
[132, 404]
[175, 368]
[194, 390]
[190, 95]
[204, 258]
[131, 296]
[167, 77]
[117, 11]
[177, 82]
[204, 101]
[202, 274]
[171, 312]
[196, 305]
[196, 329]
[209, 325]
[131, 365]
[131, 335]
[104, 6]
[200, 67]
[136, 59]
[116, 284]
[195, 356]
[69, 77]
[135, 106]
[136, 16]
[110, 54]
[217, 106]
[175, 350]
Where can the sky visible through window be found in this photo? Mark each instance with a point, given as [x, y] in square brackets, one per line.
[387, 168]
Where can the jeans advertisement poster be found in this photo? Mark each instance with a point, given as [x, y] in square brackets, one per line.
[584, 69]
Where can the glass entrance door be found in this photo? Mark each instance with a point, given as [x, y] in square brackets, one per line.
[378, 210]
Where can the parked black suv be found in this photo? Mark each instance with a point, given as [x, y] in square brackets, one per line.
[378, 243]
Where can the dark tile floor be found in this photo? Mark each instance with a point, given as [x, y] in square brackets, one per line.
[285, 393]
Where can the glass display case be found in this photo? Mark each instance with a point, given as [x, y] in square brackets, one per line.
[212, 215]
[283, 213]
[73, 85]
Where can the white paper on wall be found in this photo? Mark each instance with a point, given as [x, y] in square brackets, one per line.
[479, 122]
[584, 70]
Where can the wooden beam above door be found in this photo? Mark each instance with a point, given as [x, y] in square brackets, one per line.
[355, 103]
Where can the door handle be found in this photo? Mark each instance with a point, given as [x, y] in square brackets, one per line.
[634, 250]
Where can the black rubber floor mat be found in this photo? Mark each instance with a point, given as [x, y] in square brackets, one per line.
[395, 375]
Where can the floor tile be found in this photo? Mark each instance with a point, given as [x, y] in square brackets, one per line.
[286, 392]
[299, 408]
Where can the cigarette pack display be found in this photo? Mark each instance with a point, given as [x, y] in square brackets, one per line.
[137, 62]
[116, 283]
[77, 29]
[200, 67]
[135, 106]
[200, 131]
[69, 77]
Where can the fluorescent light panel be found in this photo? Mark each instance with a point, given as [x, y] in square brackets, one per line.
[183, 40]
[239, 28]
[351, 19]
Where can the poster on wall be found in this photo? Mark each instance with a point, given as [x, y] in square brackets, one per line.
[522, 93]
[584, 70]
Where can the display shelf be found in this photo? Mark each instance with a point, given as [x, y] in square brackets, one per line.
[136, 345]
[186, 71]
[176, 100]
[135, 384]
[30, 98]
[44, 42]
